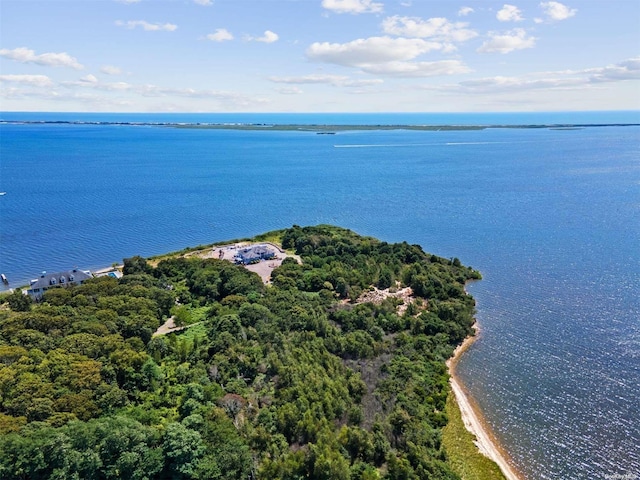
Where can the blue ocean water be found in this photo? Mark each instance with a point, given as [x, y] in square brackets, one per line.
[550, 217]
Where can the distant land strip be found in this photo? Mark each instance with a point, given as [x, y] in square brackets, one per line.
[317, 128]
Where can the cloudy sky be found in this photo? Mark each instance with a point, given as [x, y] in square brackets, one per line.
[319, 55]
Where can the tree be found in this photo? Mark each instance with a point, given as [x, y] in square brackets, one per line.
[136, 265]
[18, 302]
[260, 386]
[183, 449]
[325, 462]
[385, 280]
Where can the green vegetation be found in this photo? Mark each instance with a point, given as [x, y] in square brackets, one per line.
[464, 457]
[298, 379]
[187, 315]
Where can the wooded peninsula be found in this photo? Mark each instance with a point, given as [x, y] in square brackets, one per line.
[325, 372]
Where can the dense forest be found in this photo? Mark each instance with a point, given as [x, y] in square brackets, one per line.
[308, 377]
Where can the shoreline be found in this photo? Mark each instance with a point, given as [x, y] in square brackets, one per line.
[320, 128]
[474, 422]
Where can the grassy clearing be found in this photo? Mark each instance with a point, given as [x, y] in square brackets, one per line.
[463, 454]
[189, 334]
[187, 315]
[274, 236]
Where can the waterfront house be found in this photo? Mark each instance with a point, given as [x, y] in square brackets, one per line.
[254, 254]
[46, 281]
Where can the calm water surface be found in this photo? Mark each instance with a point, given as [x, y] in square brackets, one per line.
[550, 217]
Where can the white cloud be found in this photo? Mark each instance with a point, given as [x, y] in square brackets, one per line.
[31, 80]
[91, 82]
[386, 56]
[557, 11]
[290, 90]
[128, 2]
[362, 83]
[205, 3]
[417, 69]
[464, 11]
[509, 13]
[146, 90]
[515, 39]
[230, 99]
[115, 86]
[359, 83]
[438, 28]
[149, 27]
[370, 50]
[89, 79]
[220, 35]
[96, 102]
[352, 6]
[626, 70]
[26, 55]
[111, 70]
[335, 80]
[310, 79]
[268, 37]
[90, 89]
[576, 80]
[510, 84]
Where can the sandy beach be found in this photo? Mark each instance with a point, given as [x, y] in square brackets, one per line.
[472, 417]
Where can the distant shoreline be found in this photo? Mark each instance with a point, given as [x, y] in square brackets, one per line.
[318, 128]
[486, 442]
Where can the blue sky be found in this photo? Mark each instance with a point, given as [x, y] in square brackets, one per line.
[319, 55]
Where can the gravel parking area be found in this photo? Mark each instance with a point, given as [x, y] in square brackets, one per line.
[262, 268]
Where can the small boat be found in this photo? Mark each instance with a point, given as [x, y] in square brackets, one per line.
[3, 277]
[3, 193]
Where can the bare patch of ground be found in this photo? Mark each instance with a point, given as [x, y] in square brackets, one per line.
[168, 327]
[377, 296]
